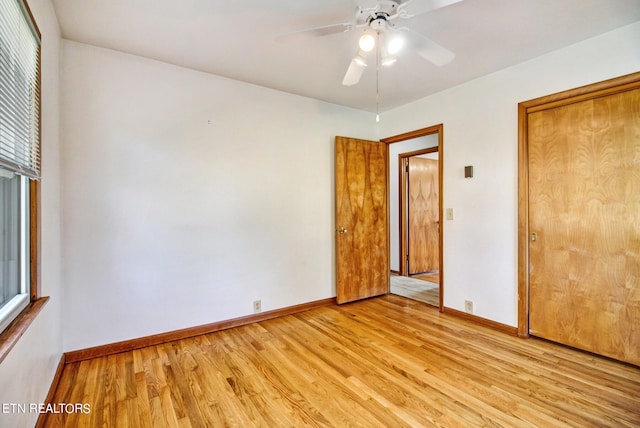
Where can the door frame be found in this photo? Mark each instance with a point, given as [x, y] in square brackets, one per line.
[596, 90]
[402, 180]
[435, 129]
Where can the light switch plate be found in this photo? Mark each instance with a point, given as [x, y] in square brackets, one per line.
[449, 213]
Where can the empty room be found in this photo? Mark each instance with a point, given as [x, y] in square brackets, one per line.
[320, 213]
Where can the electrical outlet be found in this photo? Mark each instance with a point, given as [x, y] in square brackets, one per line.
[257, 306]
[468, 306]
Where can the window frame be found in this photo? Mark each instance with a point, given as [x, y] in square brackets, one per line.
[10, 336]
[12, 308]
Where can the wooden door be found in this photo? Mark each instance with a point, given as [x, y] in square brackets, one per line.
[362, 254]
[423, 218]
[584, 219]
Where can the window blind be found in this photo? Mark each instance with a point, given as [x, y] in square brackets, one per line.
[19, 90]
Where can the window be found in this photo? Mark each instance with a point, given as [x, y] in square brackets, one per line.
[14, 245]
[19, 153]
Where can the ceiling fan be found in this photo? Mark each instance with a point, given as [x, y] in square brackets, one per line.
[376, 19]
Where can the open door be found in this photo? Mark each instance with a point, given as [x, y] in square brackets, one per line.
[362, 246]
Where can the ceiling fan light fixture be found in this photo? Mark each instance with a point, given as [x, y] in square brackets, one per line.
[367, 42]
[360, 61]
[387, 58]
[388, 61]
[395, 44]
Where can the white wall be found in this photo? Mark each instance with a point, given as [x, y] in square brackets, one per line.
[395, 149]
[187, 196]
[26, 373]
[480, 129]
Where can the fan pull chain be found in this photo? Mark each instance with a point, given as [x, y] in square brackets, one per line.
[378, 78]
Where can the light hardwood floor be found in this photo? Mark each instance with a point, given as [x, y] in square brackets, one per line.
[431, 277]
[382, 362]
[416, 289]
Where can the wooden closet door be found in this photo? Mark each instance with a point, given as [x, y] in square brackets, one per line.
[584, 218]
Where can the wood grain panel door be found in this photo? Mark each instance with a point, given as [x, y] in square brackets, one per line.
[423, 217]
[362, 246]
[584, 217]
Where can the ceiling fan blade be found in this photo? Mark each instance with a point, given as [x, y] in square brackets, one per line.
[412, 8]
[367, 4]
[325, 30]
[427, 48]
[354, 72]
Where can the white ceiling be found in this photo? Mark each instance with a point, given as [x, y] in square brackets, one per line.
[237, 39]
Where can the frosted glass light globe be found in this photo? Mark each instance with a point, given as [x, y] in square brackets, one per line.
[395, 44]
[367, 42]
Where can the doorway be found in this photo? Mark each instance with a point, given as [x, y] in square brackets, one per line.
[415, 185]
[419, 220]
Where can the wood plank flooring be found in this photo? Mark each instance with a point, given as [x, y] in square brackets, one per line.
[416, 289]
[430, 276]
[382, 362]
